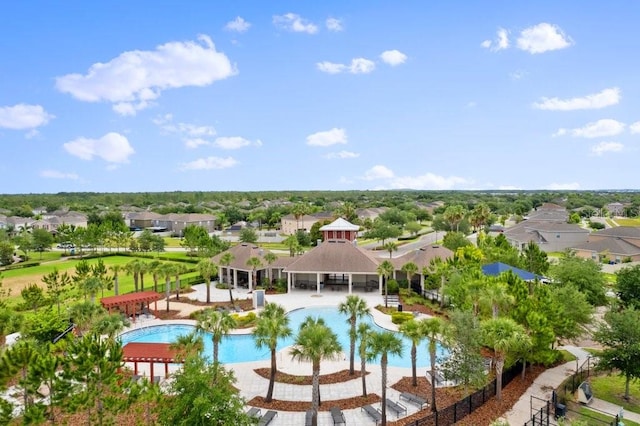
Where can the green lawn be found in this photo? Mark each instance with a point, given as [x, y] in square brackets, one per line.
[597, 418]
[627, 222]
[567, 356]
[611, 388]
[172, 242]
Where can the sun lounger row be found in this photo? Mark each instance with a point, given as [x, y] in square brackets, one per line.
[372, 412]
[414, 399]
[396, 407]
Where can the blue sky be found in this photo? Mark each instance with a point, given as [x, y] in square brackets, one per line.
[332, 95]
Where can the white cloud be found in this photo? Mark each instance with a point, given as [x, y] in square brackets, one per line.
[234, 142]
[543, 38]
[603, 99]
[330, 67]
[112, 148]
[238, 25]
[23, 116]
[378, 172]
[192, 135]
[195, 142]
[427, 181]
[209, 163]
[328, 138]
[342, 155]
[509, 188]
[135, 78]
[563, 186]
[517, 75]
[295, 23]
[634, 127]
[55, 174]
[393, 57]
[357, 66]
[597, 129]
[604, 147]
[334, 24]
[501, 41]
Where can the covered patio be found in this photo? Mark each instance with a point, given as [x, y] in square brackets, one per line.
[128, 303]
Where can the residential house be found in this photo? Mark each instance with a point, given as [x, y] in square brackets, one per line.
[289, 224]
[617, 245]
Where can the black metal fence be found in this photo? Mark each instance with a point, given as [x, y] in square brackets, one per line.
[461, 409]
[571, 383]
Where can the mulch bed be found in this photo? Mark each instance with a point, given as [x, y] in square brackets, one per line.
[325, 379]
[343, 404]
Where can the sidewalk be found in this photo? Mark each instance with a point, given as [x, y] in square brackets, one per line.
[613, 409]
[543, 387]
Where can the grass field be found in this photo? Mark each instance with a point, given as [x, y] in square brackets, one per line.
[623, 221]
[17, 279]
[611, 388]
[595, 418]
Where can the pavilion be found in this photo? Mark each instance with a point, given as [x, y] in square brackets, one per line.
[152, 353]
[131, 301]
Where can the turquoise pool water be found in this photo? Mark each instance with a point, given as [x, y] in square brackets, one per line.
[241, 347]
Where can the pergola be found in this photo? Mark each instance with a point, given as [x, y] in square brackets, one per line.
[151, 353]
[130, 301]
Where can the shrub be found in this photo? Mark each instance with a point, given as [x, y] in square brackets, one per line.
[401, 317]
[392, 287]
[245, 321]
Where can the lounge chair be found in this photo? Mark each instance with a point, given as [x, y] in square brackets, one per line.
[396, 407]
[414, 399]
[267, 418]
[308, 419]
[337, 416]
[254, 412]
[374, 413]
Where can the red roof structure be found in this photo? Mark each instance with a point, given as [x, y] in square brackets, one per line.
[151, 353]
[130, 299]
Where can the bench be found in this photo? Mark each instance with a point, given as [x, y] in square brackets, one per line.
[267, 418]
[374, 413]
[254, 412]
[337, 416]
[414, 399]
[396, 407]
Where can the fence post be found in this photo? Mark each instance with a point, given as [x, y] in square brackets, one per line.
[547, 413]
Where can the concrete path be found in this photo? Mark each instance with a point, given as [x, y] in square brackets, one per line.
[543, 387]
[613, 409]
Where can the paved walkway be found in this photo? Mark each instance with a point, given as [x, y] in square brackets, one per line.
[251, 384]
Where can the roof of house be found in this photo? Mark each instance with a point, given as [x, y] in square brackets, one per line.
[340, 224]
[615, 246]
[422, 257]
[497, 268]
[188, 217]
[556, 227]
[335, 256]
[620, 232]
[145, 215]
[241, 254]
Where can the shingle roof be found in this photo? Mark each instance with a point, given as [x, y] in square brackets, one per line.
[241, 254]
[336, 256]
[422, 256]
[620, 231]
[615, 246]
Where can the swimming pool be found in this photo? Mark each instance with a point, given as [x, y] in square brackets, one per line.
[241, 347]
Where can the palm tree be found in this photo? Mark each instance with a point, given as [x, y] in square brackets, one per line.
[91, 286]
[270, 258]
[110, 324]
[298, 211]
[410, 269]
[254, 263]
[385, 269]
[383, 344]
[495, 296]
[133, 268]
[354, 307]
[187, 345]
[218, 324]
[412, 330]
[364, 330]
[225, 260]
[179, 270]
[454, 215]
[207, 269]
[155, 267]
[390, 246]
[292, 243]
[116, 269]
[144, 268]
[315, 342]
[505, 336]
[83, 315]
[272, 324]
[167, 270]
[433, 329]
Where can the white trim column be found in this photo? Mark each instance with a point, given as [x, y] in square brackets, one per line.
[235, 278]
[318, 283]
[350, 283]
[380, 278]
[250, 280]
[289, 284]
[422, 283]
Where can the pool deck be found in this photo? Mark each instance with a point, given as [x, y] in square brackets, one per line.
[251, 384]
